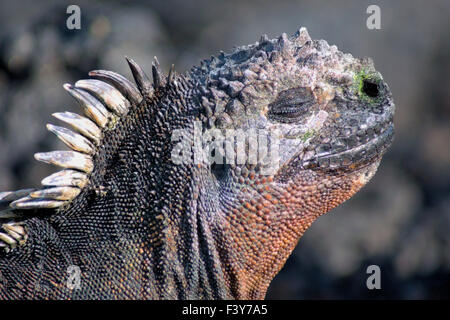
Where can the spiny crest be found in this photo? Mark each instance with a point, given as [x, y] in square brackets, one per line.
[106, 97]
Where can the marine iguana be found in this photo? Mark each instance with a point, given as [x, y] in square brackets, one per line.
[143, 219]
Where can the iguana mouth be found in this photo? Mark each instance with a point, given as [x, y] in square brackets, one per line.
[348, 156]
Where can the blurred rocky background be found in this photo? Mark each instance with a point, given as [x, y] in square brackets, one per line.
[399, 221]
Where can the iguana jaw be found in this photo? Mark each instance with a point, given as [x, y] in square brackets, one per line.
[262, 232]
[355, 157]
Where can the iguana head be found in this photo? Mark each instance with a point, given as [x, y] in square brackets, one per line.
[321, 120]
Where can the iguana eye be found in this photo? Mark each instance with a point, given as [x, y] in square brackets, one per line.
[290, 105]
[370, 88]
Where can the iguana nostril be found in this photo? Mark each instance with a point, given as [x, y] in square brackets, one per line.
[370, 88]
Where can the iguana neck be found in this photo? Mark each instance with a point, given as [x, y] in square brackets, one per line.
[254, 227]
[198, 241]
[155, 206]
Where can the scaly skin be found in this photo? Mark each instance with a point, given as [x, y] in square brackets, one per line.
[148, 227]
